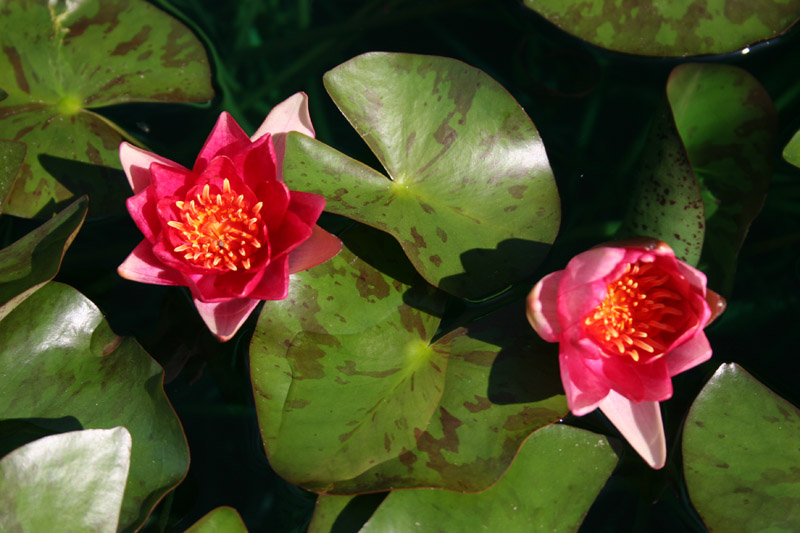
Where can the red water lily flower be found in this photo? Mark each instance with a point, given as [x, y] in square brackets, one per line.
[627, 316]
[229, 229]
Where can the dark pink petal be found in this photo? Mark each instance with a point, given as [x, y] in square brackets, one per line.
[163, 250]
[640, 424]
[241, 283]
[136, 164]
[320, 247]
[689, 354]
[582, 384]
[143, 211]
[143, 266]
[290, 115]
[170, 181]
[638, 381]
[584, 283]
[225, 318]
[256, 164]
[291, 233]
[227, 139]
[308, 206]
[542, 307]
[275, 283]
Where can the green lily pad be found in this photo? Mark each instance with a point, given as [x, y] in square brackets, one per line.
[469, 194]
[791, 152]
[12, 155]
[659, 28]
[220, 520]
[728, 125]
[550, 486]
[354, 395]
[68, 482]
[343, 513]
[63, 367]
[32, 261]
[666, 203]
[61, 59]
[741, 455]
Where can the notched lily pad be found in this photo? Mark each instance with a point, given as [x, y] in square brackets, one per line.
[741, 455]
[659, 28]
[68, 482]
[791, 152]
[64, 367]
[353, 395]
[728, 125]
[12, 155]
[60, 59]
[222, 519]
[469, 194]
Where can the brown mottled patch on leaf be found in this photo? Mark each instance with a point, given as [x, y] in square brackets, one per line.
[137, 40]
[517, 191]
[407, 458]
[419, 241]
[19, 71]
[441, 234]
[480, 404]
[411, 319]
[436, 260]
[528, 415]
[349, 369]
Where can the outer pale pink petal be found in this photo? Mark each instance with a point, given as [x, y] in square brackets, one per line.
[542, 307]
[689, 354]
[290, 115]
[225, 318]
[227, 138]
[582, 384]
[143, 266]
[136, 164]
[320, 247]
[640, 424]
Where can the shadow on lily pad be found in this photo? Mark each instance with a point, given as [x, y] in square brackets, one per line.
[106, 187]
[16, 432]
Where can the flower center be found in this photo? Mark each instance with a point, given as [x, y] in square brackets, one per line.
[219, 231]
[640, 316]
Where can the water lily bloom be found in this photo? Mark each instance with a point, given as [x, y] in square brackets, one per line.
[627, 316]
[229, 229]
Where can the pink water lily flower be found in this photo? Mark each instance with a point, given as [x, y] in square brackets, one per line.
[229, 229]
[627, 316]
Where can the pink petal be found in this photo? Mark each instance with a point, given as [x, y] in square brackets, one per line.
[636, 381]
[582, 385]
[136, 164]
[275, 195]
[542, 305]
[320, 247]
[275, 283]
[290, 115]
[640, 424]
[695, 278]
[308, 206]
[689, 354]
[143, 266]
[257, 163]
[292, 232]
[142, 208]
[225, 318]
[227, 138]
[584, 283]
[168, 181]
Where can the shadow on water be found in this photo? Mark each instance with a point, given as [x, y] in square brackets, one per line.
[16, 432]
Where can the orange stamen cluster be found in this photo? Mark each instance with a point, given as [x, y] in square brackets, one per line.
[639, 315]
[219, 231]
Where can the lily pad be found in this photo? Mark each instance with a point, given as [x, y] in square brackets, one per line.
[659, 28]
[64, 367]
[469, 194]
[791, 152]
[666, 203]
[741, 455]
[68, 482]
[12, 155]
[32, 261]
[59, 60]
[220, 520]
[728, 124]
[353, 394]
[550, 486]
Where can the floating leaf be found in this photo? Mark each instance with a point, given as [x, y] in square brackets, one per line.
[791, 152]
[220, 520]
[343, 513]
[470, 194]
[741, 455]
[68, 482]
[666, 203]
[64, 368]
[12, 155]
[353, 395]
[32, 261]
[728, 125]
[656, 27]
[550, 486]
[60, 59]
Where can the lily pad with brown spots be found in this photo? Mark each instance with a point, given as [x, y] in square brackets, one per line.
[12, 155]
[741, 455]
[58, 60]
[468, 190]
[354, 393]
[669, 28]
[791, 152]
